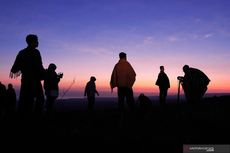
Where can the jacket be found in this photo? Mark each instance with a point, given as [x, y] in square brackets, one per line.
[123, 75]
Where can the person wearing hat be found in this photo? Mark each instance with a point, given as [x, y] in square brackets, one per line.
[51, 86]
[90, 90]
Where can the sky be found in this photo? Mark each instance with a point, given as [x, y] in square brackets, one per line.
[84, 37]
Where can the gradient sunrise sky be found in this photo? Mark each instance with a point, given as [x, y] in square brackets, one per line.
[84, 38]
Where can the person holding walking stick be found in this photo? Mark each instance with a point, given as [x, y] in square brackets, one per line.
[194, 83]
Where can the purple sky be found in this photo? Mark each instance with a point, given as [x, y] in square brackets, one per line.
[84, 38]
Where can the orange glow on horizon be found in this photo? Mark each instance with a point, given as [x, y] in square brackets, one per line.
[148, 88]
[102, 85]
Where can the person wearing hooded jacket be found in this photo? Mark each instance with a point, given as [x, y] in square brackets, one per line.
[123, 77]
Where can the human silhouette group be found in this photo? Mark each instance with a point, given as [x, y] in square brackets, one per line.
[28, 64]
[7, 100]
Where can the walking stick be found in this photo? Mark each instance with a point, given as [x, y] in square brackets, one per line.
[178, 94]
[68, 89]
[180, 79]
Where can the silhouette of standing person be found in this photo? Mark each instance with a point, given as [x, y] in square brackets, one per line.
[90, 91]
[2, 99]
[164, 84]
[28, 64]
[194, 83]
[51, 86]
[11, 100]
[123, 77]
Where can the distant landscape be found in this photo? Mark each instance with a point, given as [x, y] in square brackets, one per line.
[160, 129]
[111, 102]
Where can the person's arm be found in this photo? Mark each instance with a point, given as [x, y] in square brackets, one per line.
[15, 75]
[113, 82]
[86, 88]
[158, 80]
[40, 65]
[168, 82]
[95, 89]
[97, 92]
[15, 70]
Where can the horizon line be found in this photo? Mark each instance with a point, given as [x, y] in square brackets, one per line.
[155, 96]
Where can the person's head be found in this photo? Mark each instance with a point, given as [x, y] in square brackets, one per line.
[185, 68]
[92, 78]
[122, 55]
[10, 86]
[52, 67]
[32, 40]
[162, 68]
[140, 97]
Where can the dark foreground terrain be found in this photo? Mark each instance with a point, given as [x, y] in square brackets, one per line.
[159, 129]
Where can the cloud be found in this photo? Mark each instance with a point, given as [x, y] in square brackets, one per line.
[197, 20]
[173, 39]
[74, 48]
[208, 35]
[203, 36]
[148, 40]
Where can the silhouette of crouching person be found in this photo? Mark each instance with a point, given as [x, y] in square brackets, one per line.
[145, 103]
[145, 121]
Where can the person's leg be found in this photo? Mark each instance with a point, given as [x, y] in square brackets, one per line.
[26, 99]
[121, 105]
[121, 98]
[164, 95]
[39, 102]
[91, 101]
[49, 104]
[130, 99]
[90, 111]
[196, 94]
[52, 108]
[161, 96]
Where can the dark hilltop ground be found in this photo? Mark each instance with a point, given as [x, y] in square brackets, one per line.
[159, 129]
